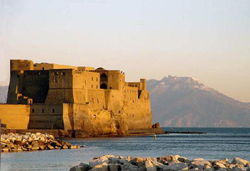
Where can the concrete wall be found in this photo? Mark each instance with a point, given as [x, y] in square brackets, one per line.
[15, 116]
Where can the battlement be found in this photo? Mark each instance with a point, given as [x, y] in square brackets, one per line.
[19, 65]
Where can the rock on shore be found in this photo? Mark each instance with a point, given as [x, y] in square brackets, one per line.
[32, 141]
[166, 163]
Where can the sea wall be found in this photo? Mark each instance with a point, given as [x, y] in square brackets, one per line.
[30, 142]
[164, 163]
[46, 116]
[15, 116]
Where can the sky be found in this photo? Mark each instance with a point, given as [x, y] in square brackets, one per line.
[207, 40]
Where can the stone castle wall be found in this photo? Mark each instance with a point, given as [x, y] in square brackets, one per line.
[15, 116]
[78, 98]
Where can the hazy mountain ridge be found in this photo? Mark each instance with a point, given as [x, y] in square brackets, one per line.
[184, 101]
[3, 94]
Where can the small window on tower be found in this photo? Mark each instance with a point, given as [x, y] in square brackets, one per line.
[53, 110]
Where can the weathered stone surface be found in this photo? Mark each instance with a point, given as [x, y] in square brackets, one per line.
[95, 162]
[238, 160]
[200, 163]
[149, 166]
[17, 142]
[80, 167]
[101, 167]
[114, 167]
[98, 118]
[175, 166]
[165, 163]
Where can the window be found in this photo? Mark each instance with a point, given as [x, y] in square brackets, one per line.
[33, 110]
[96, 86]
[53, 110]
[96, 78]
[103, 86]
[104, 77]
[42, 110]
[91, 86]
[92, 79]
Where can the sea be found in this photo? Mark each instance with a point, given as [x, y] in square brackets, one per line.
[215, 143]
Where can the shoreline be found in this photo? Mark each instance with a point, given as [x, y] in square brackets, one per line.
[58, 133]
[110, 162]
[13, 142]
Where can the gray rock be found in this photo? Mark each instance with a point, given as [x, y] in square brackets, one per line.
[149, 166]
[129, 166]
[218, 165]
[238, 160]
[95, 162]
[175, 167]
[114, 160]
[114, 167]
[200, 163]
[101, 167]
[79, 168]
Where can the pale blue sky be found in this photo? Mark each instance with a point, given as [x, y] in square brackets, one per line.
[208, 40]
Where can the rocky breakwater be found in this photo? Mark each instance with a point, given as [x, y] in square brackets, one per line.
[32, 141]
[165, 163]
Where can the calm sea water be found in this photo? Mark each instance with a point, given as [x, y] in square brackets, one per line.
[217, 143]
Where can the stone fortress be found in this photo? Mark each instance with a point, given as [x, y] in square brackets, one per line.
[80, 100]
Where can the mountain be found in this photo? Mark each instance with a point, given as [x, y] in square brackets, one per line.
[187, 102]
[3, 94]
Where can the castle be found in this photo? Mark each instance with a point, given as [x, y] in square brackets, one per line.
[76, 99]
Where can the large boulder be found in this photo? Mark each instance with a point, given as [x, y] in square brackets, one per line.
[175, 167]
[95, 162]
[100, 167]
[129, 167]
[200, 163]
[238, 160]
[149, 166]
[114, 167]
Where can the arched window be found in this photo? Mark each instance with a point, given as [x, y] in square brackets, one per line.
[103, 86]
[104, 77]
